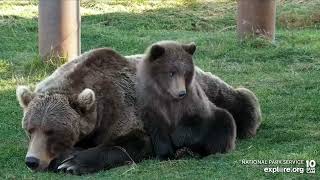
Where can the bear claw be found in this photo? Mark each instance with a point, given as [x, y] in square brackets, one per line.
[68, 159]
[62, 166]
[68, 168]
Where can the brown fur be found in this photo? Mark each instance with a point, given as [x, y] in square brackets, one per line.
[108, 118]
[175, 121]
[88, 103]
[240, 102]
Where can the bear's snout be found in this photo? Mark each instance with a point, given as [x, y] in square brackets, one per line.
[32, 162]
[182, 94]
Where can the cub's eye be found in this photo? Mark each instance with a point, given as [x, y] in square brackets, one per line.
[171, 74]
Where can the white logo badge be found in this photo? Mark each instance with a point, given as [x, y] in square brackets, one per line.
[311, 166]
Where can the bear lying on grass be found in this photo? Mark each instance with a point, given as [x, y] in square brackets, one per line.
[174, 108]
[90, 103]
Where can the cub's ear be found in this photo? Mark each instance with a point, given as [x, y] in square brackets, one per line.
[190, 48]
[155, 52]
[86, 99]
[24, 96]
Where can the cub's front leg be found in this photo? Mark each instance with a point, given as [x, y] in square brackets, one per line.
[158, 129]
[221, 134]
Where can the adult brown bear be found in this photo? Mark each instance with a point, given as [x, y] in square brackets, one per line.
[90, 103]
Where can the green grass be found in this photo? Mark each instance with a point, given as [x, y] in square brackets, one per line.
[284, 75]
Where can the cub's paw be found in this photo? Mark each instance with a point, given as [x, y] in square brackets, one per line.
[185, 153]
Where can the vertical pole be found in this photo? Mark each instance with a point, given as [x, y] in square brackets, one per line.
[59, 28]
[256, 18]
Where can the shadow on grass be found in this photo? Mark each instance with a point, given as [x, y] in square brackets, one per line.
[210, 23]
[171, 18]
[20, 41]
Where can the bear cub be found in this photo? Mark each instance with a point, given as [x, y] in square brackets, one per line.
[175, 109]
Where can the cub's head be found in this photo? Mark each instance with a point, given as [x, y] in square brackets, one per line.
[170, 67]
[54, 123]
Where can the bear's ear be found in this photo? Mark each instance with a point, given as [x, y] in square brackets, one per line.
[86, 99]
[24, 96]
[155, 52]
[190, 48]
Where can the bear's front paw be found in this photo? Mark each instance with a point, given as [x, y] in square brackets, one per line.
[54, 164]
[79, 163]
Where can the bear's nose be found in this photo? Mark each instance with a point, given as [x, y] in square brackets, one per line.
[32, 162]
[182, 94]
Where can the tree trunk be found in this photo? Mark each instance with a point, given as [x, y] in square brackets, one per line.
[59, 29]
[256, 18]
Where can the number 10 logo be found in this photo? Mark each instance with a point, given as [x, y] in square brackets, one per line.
[311, 166]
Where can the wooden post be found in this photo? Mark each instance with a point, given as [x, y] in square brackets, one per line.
[256, 18]
[59, 28]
